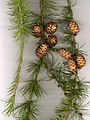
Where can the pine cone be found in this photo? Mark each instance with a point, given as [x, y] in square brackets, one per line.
[74, 28]
[72, 66]
[51, 27]
[42, 50]
[52, 40]
[65, 53]
[38, 30]
[80, 60]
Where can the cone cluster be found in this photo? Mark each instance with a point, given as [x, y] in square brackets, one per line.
[51, 40]
[74, 61]
[50, 28]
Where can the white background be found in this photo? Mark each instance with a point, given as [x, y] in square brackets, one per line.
[9, 55]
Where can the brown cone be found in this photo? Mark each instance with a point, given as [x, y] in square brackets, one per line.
[51, 40]
[38, 30]
[72, 66]
[51, 27]
[74, 28]
[65, 53]
[81, 61]
[42, 50]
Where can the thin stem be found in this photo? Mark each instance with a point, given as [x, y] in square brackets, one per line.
[42, 22]
[70, 7]
[38, 70]
[74, 52]
[73, 46]
[19, 67]
[73, 37]
[66, 116]
[69, 2]
[42, 11]
[19, 13]
[74, 43]
[55, 77]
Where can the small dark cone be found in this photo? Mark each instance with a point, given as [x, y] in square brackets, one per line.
[74, 28]
[51, 27]
[52, 40]
[65, 53]
[38, 30]
[81, 61]
[72, 66]
[42, 50]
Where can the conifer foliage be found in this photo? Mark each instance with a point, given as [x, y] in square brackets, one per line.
[43, 25]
